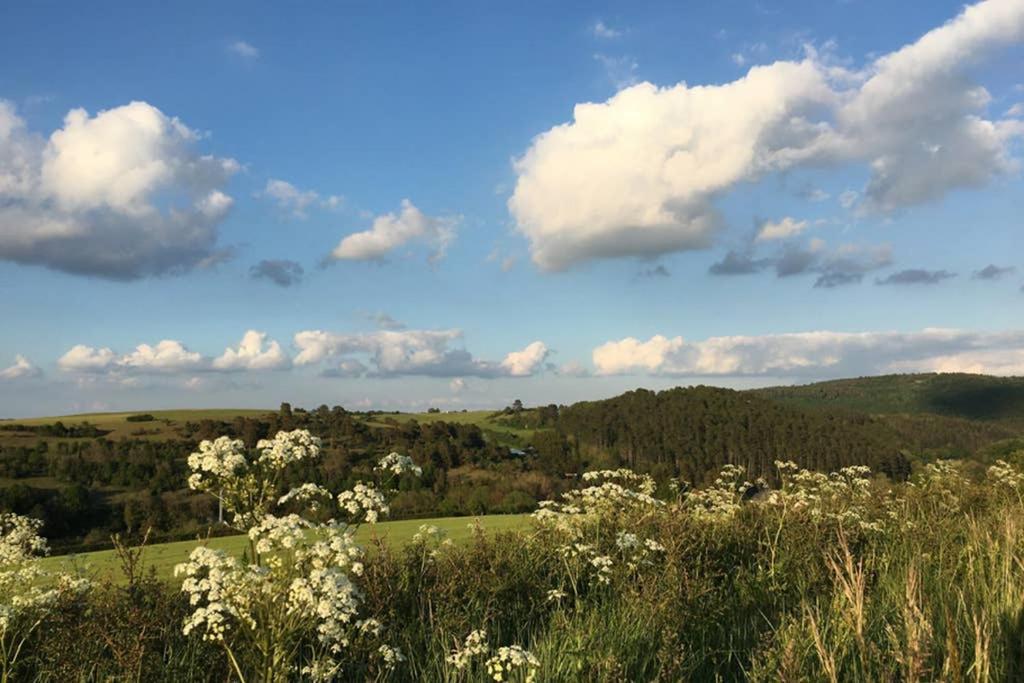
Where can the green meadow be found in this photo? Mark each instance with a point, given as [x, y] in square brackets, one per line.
[163, 557]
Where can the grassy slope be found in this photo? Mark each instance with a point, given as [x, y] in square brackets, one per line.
[978, 397]
[164, 425]
[164, 556]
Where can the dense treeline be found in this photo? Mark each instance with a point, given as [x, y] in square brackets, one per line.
[692, 432]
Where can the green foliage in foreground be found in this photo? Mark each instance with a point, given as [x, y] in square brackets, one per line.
[827, 578]
[161, 558]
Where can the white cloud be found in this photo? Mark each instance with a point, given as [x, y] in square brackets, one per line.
[813, 354]
[22, 369]
[391, 231]
[410, 352]
[122, 194]
[526, 362]
[82, 358]
[1016, 110]
[167, 355]
[254, 352]
[603, 30]
[457, 385]
[298, 202]
[779, 230]
[639, 174]
[244, 49]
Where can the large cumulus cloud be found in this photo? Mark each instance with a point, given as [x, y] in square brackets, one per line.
[639, 174]
[122, 194]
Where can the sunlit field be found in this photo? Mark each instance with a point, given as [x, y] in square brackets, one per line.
[162, 557]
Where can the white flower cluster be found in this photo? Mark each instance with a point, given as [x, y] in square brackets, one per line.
[214, 585]
[20, 540]
[723, 499]
[944, 483]
[215, 460]
[397, 465]
[507, 661]
[26, 591]
[636, 553]
[613, 494]
[287, 448]
[1007, 477]
[474, 646]
[314, 494]
[844, 497]
[363, 502]
[505, 664]
[299, 580]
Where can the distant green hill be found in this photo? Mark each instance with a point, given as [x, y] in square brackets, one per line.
[974, 397]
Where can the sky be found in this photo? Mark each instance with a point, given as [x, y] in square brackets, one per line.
[408, 205]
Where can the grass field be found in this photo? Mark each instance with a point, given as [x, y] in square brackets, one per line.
[164, 425]
[164, 556]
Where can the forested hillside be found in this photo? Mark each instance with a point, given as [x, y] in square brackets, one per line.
[693, 432]
[978, 397]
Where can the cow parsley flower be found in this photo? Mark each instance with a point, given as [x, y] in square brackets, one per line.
[397, 465]
[511, 659]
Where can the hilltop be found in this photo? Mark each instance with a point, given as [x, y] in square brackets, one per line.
[973, 397]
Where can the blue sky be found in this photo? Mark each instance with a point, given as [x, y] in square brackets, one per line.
[408, 206]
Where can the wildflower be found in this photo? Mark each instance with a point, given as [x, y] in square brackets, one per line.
[474, 646]
[510, 659]
[398, 465]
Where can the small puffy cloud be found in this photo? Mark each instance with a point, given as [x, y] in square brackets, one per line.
[82, 358]
[393, 353]
[779, 230]
[172, 357]
[391, 231]
[814, 354]
[603, 30]
[243, 49]
[993, 272]
[121, 195]
[639, 174]
[296, 202]
[254, 352]
[1016, 110]
[526, 362]
[457, 385]
[22, 369]
[167, 355]
[916, 276]
[281, 272]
